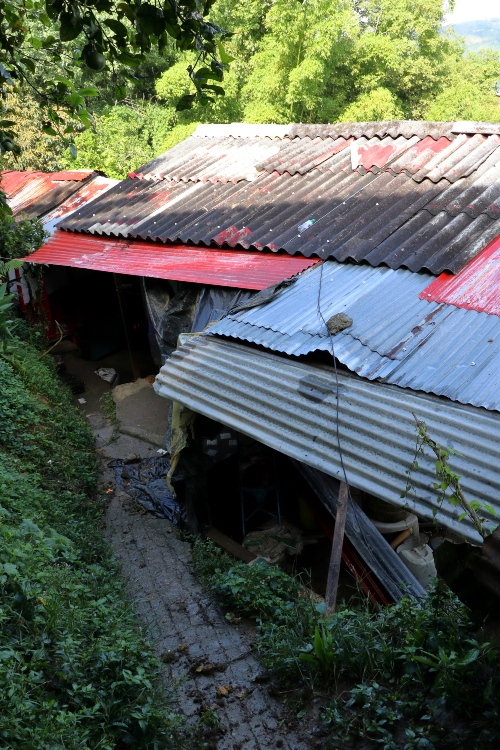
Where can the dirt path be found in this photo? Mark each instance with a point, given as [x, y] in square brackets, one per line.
[210, 662]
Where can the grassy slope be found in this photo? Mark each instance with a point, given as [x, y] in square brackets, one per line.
[74, 668]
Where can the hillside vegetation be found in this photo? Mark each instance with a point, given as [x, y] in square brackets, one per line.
[74, 668]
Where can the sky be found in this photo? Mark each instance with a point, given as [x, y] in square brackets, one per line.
[474, 10]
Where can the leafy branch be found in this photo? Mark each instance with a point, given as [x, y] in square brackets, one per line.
[447, 478]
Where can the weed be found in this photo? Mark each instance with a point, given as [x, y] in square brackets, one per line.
[108, 407]
[402, 663]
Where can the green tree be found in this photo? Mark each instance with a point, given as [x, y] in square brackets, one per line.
[123, 137]
[470, 90]
[36, 36]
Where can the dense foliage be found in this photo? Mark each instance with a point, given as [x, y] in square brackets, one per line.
[407, 676]
[319, 61]
[46, 44]
[74, 668]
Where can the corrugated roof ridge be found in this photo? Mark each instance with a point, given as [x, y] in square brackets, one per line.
[382, 128]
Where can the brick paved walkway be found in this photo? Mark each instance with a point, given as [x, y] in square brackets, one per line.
[191, 633]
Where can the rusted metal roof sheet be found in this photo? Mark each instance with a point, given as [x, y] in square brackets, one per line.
[84, 195]
[476, 287]
[179, 263]
[396, 336]
[34, 193]
[420, 198]
[382, 219]
[237, 385]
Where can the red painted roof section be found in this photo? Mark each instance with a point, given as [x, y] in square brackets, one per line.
[476, 287]
[24, 188]
[246, 270]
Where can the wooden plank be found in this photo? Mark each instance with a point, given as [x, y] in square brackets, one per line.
[228, 544]
[338, 542]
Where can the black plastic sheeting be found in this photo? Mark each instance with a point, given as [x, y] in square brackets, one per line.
[145, 481]
[375, 551]
[180, 307]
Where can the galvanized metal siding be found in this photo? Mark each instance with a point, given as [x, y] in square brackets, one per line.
[396, 336]
[291, 407]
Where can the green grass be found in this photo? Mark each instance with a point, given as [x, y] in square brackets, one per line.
[75, 670]
[385, 676]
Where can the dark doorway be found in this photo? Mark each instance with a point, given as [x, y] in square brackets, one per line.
[104, 315]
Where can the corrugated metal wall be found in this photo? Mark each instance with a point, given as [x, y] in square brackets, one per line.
[291, 406]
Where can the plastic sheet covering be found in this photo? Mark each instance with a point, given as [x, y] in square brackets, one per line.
[177, 307]
[214, 302]
[376, 552]
[146, 482]
[171, 308]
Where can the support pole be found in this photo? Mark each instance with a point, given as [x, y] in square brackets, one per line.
[332, 583]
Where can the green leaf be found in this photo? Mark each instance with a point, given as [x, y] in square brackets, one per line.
[117, 27]
[90, 91]
[10, 569]
[35, 43]
[70, 27]
[49, 130]
[66, 81]
[72, 150]
[150, 20]
[224, 57]
[28, 63]
[185, 102]
[120, 92]
[127, 58]
[216, 89]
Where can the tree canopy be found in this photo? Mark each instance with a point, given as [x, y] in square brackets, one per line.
[284, 61]
[45, 44]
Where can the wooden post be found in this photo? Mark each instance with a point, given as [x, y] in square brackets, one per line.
[332, 583]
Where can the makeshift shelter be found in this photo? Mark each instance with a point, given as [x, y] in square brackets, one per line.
[405, 214]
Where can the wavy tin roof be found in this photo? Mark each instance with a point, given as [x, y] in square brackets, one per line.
[237, 385]
[401, 194]
[396, 337]
[86, 193]
[35, 193]
[179, 263]
[476, 287]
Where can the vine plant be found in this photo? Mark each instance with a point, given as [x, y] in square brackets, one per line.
[447, 479]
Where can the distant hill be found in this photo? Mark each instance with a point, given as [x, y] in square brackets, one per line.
[480, 34]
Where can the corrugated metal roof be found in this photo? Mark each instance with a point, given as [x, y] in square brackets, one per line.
[34, 193]
[476, 287]
[382, 218]
[84, 195]
[393, 128]
[179, 263]
[236, 385]
[210, 159]
[387, 193]
[396, 336]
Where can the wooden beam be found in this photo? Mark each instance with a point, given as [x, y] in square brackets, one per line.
[332, 583]
[228, 544]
